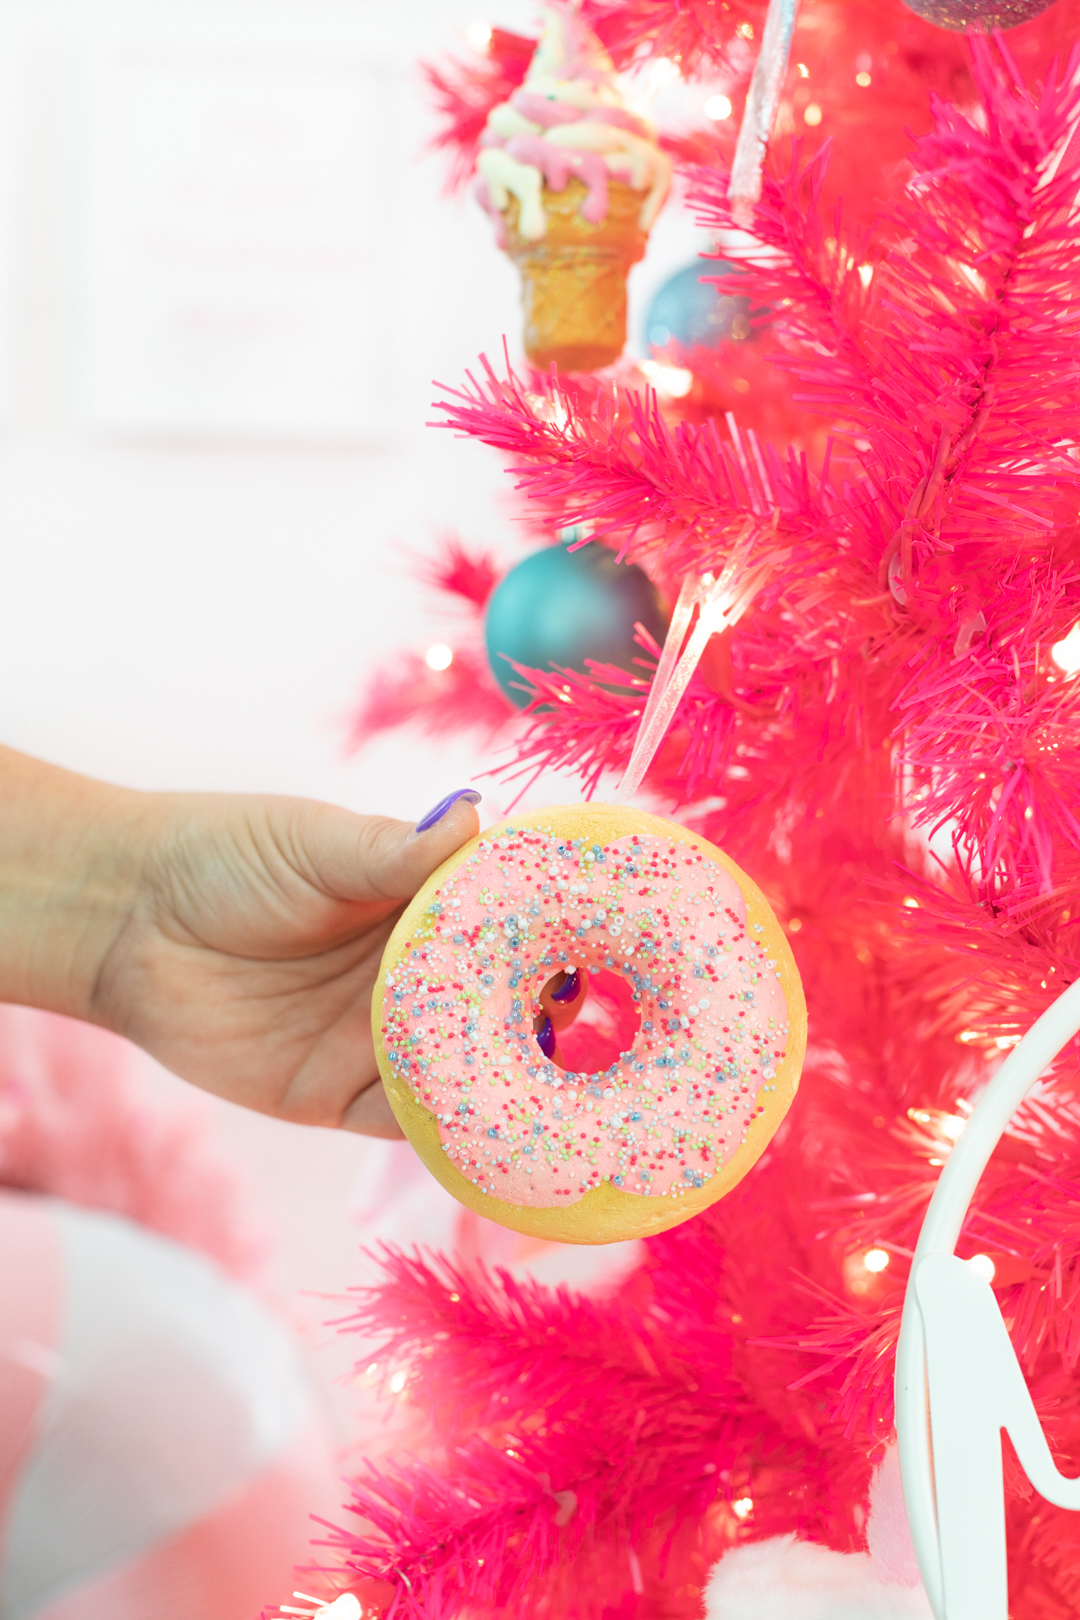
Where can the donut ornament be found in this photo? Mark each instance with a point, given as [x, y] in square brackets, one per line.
[589, 1024]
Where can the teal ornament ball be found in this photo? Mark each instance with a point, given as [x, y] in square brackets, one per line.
[691, 312]
[562, 607]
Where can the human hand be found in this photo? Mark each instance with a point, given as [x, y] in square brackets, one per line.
[237, 939]
[250, 954]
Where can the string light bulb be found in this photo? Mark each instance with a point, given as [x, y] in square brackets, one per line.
[344, 1607]
[1066, 653]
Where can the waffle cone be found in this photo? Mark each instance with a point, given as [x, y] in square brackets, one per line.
[573, 280]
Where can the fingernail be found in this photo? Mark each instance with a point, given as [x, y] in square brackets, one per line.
[569, 990]
[545, 1039]
[470, 796]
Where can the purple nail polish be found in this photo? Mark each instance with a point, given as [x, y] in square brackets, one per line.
[569, 990]
[545, 1039]
[470, 795]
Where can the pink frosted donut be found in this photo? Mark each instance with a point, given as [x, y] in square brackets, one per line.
[712, 1018]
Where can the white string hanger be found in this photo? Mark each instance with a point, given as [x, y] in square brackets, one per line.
[720, 601]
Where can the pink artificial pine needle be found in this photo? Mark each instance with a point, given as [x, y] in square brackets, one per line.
[886, 741]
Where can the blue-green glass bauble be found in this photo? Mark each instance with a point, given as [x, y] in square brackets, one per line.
[691, 312]
[561, 607]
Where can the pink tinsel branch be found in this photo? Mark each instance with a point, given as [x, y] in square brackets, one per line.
[887, 743]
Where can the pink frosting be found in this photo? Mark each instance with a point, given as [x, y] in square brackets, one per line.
[548, 113]
[558, 163]
[670, 1111]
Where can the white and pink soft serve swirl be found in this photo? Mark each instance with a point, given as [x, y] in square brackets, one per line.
[569, 118]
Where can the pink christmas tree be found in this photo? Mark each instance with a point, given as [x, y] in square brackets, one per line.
[886, 741]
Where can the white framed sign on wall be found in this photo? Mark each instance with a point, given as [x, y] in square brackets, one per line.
[236, 219]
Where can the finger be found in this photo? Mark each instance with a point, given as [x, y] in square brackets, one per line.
[371, 858]
[338, 1083]
[563, 997]
[370, 1114]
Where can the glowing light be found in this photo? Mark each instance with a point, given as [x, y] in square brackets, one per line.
[1003, 1042]
[951, 1126]
[911, 903]
[743, 1507]
[718, 107]
[479, 35]
[397, 1383]
[439, 656]
[802, 70]
[745, 30]
[344, 1607]
[863, 80]
[982, 1266]
[876, 1259]
[647, 83]
[1066, 653]
[974, 278]
[866, 274]
[664, 71]
[812, 115]
[675, 381]
[967, 1035]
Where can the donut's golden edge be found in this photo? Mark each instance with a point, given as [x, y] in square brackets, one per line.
[604, 1214]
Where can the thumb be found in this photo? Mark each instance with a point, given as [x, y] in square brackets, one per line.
[387, 860]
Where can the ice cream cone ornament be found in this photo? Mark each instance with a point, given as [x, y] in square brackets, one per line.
[574, 179]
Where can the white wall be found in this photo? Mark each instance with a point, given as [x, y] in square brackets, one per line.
[190, 600]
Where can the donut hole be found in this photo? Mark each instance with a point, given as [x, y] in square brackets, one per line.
[606, 1027]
